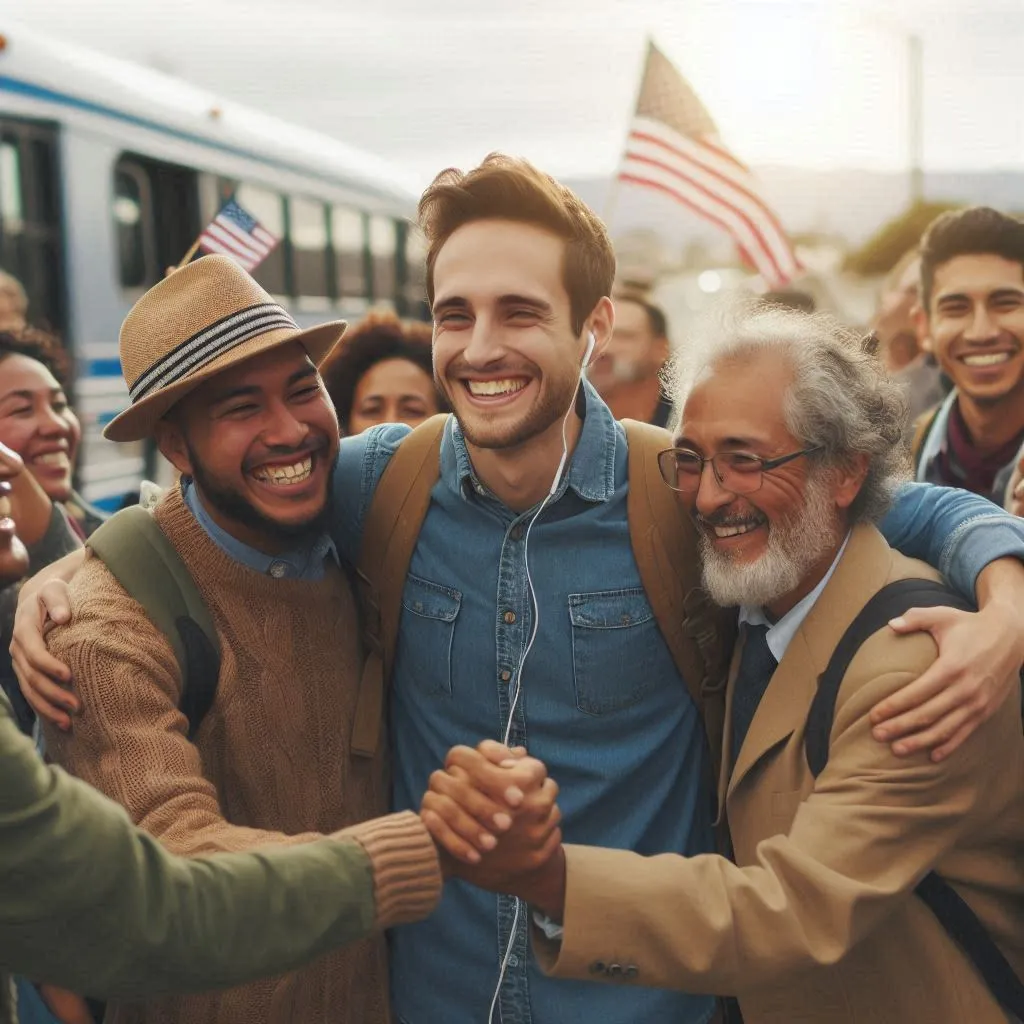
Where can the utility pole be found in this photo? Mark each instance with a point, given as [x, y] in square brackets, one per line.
[915, 116]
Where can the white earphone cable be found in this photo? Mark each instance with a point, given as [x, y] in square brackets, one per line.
[535, 613]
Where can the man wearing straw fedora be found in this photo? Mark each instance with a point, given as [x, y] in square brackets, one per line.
[226, 383]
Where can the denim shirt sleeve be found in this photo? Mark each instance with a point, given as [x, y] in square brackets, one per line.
[361, 462]
[955, 531]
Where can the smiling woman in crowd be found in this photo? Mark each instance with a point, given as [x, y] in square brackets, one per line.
[37, 422]
[37, 425]
[382, 373]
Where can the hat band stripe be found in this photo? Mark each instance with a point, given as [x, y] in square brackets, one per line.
[198, 341]
[203, 348]
[213, 347]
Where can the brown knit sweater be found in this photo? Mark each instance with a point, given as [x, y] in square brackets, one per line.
[271, 761]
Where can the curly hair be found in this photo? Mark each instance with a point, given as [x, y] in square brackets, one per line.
[841, 400]
[509, 188]
[38, 345]
[378, 336]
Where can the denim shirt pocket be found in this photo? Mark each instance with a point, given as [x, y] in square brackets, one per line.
[615, 647]
[429, 611]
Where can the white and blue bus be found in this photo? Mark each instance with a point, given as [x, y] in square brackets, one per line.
[108, 172]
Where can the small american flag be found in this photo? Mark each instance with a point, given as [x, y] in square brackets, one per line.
[673, 148]
[238, 234]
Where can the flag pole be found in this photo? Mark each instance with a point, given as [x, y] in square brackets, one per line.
[192, 250]
[915, 117]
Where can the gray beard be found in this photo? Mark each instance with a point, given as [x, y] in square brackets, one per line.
[794, 546]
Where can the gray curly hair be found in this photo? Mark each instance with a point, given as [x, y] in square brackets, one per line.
[841, 400]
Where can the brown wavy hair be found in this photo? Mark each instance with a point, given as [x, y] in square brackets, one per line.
[509, 188]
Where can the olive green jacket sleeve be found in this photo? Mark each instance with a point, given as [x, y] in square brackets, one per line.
[90, 903]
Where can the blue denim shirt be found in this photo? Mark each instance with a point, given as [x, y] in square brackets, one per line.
[602, 703]
[303, 562]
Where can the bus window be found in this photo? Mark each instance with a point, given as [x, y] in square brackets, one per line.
[382, 250]
[307, 232]
[415, 289]
[10, 187]
[132, 203]
[348, 239]
[30, 219]
[268, 208]
[156, 214]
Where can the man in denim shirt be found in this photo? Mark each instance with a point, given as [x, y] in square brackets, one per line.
[518, 274]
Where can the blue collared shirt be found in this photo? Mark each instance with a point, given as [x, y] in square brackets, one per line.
[602, 703]
[781, 632]
[304, 562]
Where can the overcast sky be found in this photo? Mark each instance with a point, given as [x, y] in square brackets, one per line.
[430, 83]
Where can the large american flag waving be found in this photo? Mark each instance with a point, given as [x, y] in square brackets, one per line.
[673, 148]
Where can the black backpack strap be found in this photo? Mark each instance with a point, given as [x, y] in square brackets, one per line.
[891, 601]
[202, 670]
[962, 925]
[142, 559]
[957, 919]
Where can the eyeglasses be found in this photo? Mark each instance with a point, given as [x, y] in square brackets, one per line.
[739, 472]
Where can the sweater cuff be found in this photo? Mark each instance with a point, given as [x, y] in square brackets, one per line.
[406, 870]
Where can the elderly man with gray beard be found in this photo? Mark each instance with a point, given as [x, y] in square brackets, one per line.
[845, 859]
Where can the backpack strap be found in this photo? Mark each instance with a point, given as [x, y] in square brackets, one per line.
[664, 545]
[891, 601]
[665, 548]
[964, 927]
[922, 427]
[146, 564]
[391, 529]
[952, 912]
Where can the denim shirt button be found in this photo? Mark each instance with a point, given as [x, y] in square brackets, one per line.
[278, 569]
[516, 533]
[509, 617]
[513, 961]
[505, 675]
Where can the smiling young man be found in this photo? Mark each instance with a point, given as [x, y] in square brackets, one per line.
[518, 274]
[227, 384]
[788, 452]
[972, 311]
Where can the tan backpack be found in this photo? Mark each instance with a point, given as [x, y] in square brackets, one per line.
[664, 545]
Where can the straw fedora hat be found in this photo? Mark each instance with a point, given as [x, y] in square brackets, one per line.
[195, 323]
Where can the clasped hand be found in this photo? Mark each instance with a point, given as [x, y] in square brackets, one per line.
[493, 815]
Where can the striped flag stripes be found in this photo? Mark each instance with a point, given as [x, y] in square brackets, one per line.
[673, 148]
[236, 233]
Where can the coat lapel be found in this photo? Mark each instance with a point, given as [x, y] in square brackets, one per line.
[782, 709]
[862, 571]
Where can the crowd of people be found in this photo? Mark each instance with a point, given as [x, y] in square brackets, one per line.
[425, 601]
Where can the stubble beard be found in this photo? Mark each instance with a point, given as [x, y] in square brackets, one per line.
[550, 407]
[235, 506]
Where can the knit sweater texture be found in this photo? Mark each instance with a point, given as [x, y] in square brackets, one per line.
[270, 763]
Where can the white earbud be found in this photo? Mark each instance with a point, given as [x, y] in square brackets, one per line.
[591, 342]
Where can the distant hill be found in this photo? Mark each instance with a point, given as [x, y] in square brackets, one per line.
[849, 204]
